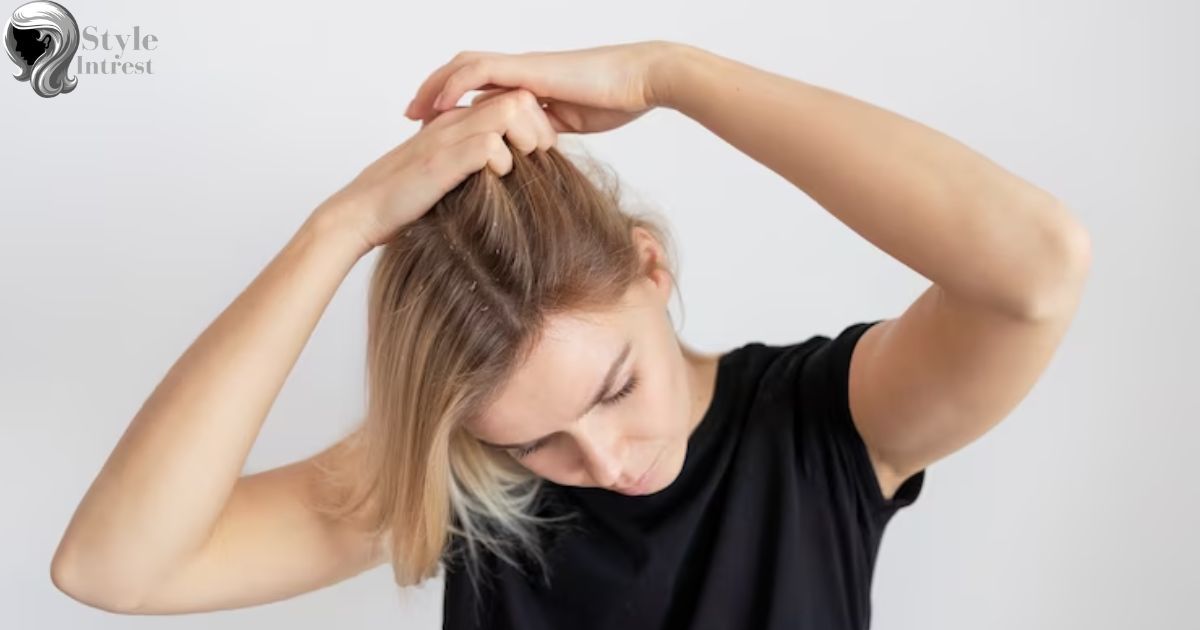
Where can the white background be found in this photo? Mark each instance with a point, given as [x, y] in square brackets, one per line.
[137, 207]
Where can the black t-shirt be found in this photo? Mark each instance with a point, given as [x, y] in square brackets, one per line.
[774, 521]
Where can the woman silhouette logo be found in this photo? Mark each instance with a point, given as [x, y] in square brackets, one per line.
[41, 38]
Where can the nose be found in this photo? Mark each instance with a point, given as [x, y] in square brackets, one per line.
[603, 456]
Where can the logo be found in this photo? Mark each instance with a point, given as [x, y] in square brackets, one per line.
[41, 38]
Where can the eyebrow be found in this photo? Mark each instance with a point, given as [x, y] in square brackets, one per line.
[595, 400]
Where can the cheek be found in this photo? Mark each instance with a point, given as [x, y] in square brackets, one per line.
[552, 471]
[661, 412]
[553, 466]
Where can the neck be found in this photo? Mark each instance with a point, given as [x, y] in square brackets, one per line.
[702, 369]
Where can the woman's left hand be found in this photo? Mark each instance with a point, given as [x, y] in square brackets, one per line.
[583, 91]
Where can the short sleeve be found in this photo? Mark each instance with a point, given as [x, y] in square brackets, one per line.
[826, 436]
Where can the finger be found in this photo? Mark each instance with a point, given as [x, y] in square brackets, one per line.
[522, 132]
[540, 134]
[420, 107]
[547, 136]
[485, 150]
[500, 158]
[529, 128]
[509, 114]
[517, 120]
[485, 95]
[481, 73]
[432, 84]
[543, 127]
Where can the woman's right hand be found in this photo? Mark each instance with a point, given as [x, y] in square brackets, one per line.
[403, 184]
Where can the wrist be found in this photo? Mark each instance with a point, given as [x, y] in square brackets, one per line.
[334, 224]
[672, 73]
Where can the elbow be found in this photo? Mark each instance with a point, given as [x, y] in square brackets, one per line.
[1066, 275]
[85, 584]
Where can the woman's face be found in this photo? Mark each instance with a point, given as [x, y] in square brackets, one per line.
[649, 395]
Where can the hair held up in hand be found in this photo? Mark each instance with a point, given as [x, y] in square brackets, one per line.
[457, 300]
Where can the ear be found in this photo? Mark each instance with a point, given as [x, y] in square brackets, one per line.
[653, 262]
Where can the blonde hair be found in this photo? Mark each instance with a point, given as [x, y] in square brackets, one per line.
[457, 301]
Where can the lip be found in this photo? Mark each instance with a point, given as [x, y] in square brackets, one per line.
[637, 486]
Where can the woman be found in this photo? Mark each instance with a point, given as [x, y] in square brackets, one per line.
[534, 425]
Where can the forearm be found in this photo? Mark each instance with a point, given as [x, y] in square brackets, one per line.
[168, 478]
[940, 208]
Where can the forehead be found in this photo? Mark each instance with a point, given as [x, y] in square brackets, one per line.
[562, 373]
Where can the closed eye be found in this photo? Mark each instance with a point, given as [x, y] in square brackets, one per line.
[630, 385]
[624, 391]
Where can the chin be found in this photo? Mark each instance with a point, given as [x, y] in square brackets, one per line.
[666, 471]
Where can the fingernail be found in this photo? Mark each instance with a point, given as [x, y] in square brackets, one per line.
[437, 102]
[409, 110]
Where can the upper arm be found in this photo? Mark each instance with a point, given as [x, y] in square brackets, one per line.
[925, 384]
[269, 544]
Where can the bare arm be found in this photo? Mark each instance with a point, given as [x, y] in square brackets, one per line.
[1008, 261]
[268, 545]
[979, 232]
[156, 501]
